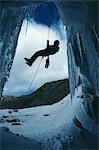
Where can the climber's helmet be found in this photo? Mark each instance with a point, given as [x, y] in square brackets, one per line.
[56, 43]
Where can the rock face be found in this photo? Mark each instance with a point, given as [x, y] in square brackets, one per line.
[48, 94]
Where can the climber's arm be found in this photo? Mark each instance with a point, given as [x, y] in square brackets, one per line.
[47, 43]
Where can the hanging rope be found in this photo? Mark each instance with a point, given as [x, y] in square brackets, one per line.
[48, 33]
[34, 75]
[46, 65]
[58, 113]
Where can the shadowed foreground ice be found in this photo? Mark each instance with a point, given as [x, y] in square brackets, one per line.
[52, 125]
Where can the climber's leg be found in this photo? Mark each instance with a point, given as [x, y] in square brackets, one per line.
[35, 56]
[27, 59]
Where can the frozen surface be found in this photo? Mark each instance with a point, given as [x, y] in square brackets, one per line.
[49, 124]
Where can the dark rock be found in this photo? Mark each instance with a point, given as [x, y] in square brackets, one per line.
[78, 96]
[16, 123]
[82, 96]
[15, 110]
[77, 123]
[5, 116]
[13, 120]
[9, 112]
[47, 94]
[46, 114]
[6, 129]
[17, 134]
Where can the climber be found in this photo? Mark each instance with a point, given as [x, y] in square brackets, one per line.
[49, 50]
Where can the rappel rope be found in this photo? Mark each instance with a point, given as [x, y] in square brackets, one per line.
[46, 66]
[48, 33]
[59, 113]
[34, 75]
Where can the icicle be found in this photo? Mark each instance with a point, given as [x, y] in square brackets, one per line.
[95, 34]
[79, 47]
[71, 66]
[29, 13]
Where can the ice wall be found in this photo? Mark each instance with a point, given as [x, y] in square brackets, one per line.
[81, 21]
[83, 56]
[12, 16]
[10, 28]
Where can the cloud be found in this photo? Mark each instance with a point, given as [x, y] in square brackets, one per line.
[29, 42]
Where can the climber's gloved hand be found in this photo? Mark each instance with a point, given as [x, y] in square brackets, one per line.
[47, 43]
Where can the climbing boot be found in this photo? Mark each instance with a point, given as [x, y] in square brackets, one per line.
[29, 64]
[27, 59]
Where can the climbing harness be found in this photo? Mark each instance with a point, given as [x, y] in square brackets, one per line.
[48, 33]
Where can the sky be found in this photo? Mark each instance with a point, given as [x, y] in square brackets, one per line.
[30, 40]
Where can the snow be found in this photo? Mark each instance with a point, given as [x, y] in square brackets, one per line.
[34, 118]
[48, 123]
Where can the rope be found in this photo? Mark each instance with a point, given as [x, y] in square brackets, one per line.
[34, 75]
[48, 33]
[38, 65]
[58, 113]
[26, 27]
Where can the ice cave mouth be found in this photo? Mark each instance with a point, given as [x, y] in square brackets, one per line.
[33, 36]
[74, 121]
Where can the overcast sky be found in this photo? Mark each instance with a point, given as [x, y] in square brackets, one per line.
[30, 40]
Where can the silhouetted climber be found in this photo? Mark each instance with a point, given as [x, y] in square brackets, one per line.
[50, 50]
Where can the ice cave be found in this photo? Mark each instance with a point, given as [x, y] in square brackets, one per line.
[60, 111]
